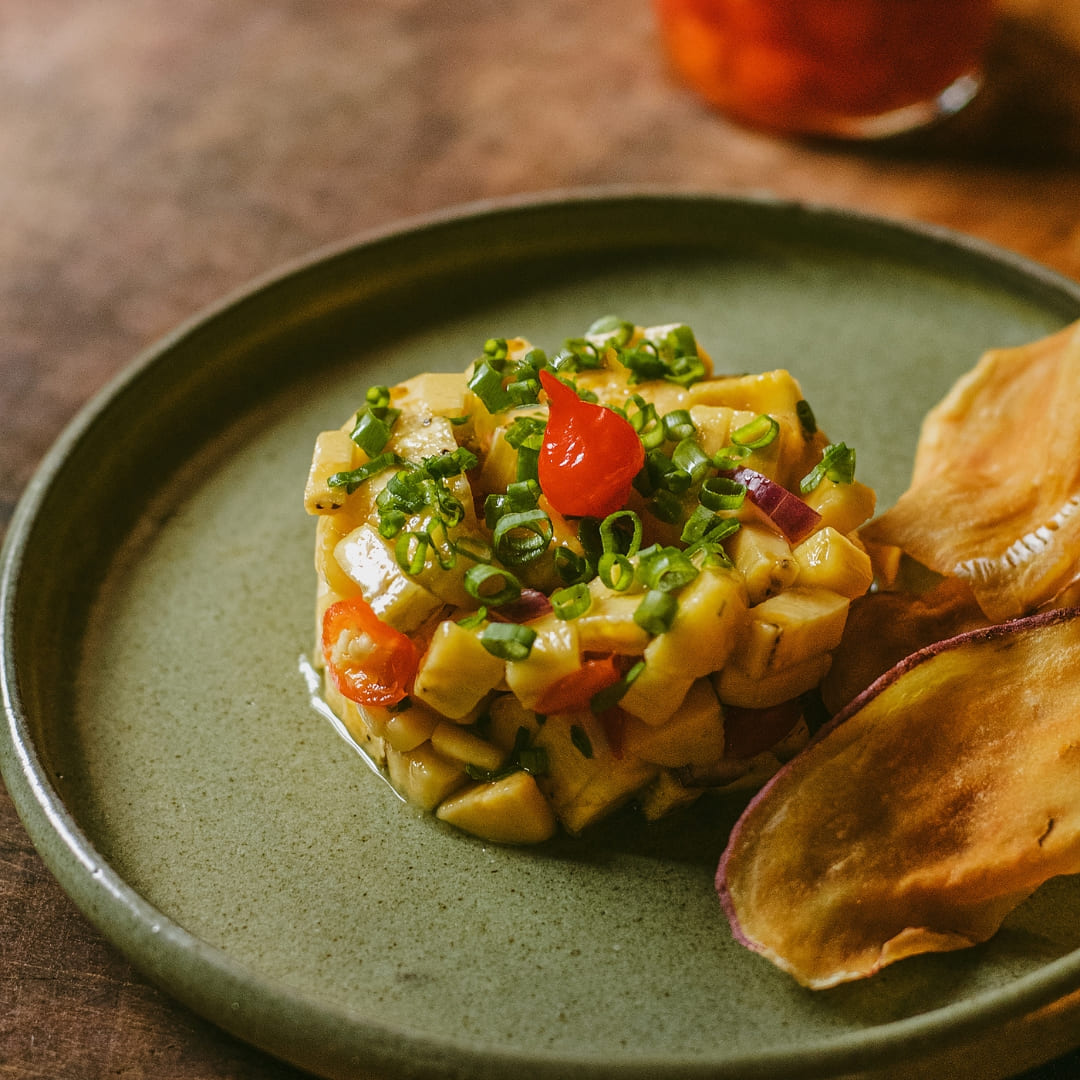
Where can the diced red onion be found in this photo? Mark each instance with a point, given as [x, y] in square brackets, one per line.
[793, 517]
[531, 604]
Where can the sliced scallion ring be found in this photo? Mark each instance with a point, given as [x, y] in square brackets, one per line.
[615, 571]
[520, 538]
[491, 584]
[656, 612]
[722, 493]
[508, 641]
[571, 602]
[756, 434]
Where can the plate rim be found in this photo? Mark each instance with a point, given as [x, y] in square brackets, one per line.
[150, 939]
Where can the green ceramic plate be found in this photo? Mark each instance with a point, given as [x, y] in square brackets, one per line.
[162, 747]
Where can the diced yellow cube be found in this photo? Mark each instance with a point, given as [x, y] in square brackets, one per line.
[736, 687]
[438, 393]
[459, 744]
[707, 624]
[395, 597]
[828, 559]
[409, 728]
[424, 777]
[713, 423]
[334, 452]
[665, 794]
[330, 530]
[694, 735]
[764, 559]
[769, 392]
[555, 653]
[499, 467]
[456, 672]
[608, 626]
[511, 810]
[585, 781]
[506, 717]
[789, 628]
[655, 694]
[843, 506]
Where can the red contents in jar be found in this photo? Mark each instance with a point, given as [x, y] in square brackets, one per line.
[840, 67]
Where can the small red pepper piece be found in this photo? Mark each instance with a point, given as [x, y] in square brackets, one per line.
[589, 456]
[369, 661]
[574, 692]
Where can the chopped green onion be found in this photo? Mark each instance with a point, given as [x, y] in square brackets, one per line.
[475, 548]
[351, 479]
[524, 756]
[533, 760]
[758, 433]
[691, 459]
[471, 622]
[578, 354]
[571, 602]
[686, 371]
[837, 463]
[376, 398]
[678, 425]
[615, 571]
[611, 329]
[443, 466]
[711, 537]
[492, 585]
[730, 457]
[497, 350]
[520, 538]
[722, 493]
[580, 738]
[644, 362]
[372, 432]
[508, 641]
[486, 383]
[666, 569]
[611, 539]
[571, 567]
[646, 422]
[807, 420]
[666, 506]
[412, 562]
[656, 612]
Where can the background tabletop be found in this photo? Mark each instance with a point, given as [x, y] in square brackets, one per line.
[159, 155]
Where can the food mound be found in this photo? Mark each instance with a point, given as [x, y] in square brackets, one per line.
[549, 586]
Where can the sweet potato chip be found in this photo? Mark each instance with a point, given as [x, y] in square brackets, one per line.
[923, 813]
[884, 627]
[995, 491]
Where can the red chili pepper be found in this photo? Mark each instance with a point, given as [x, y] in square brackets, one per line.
[574, 692]
[369, 661]
[589, 456]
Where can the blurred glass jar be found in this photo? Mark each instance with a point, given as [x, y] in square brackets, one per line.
[846, 68]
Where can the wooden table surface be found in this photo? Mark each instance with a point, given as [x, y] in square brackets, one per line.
[157, 155]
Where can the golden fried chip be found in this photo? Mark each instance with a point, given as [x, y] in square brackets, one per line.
[930, 807]
[884, 627]
[995, 491]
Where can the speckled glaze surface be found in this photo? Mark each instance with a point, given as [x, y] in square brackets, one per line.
[160, 742]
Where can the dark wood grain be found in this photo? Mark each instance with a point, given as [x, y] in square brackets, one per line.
[158, 155]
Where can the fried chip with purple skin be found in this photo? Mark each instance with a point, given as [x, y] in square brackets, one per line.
[930, 807]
